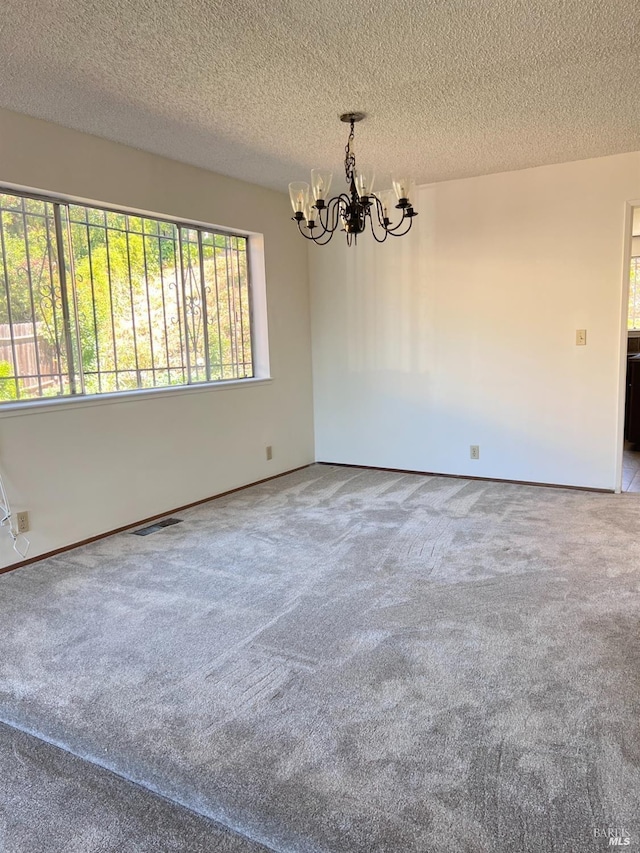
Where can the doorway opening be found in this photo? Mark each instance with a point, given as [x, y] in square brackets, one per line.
[631, 451]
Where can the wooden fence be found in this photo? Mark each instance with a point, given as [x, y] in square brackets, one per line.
[28, 344]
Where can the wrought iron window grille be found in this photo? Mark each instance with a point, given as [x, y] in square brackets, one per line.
[95, 301]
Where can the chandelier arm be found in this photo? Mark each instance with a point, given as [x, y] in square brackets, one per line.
[317, 240]
[379, 212]
[327, 225]
[375, 236]
[330, 224]
[324, 222]
[380, 224]
[335, 213]
[306, 236]
[342, 197]
[393, 231]
[331, 210]
[321, 230]
[396, 233]
[320, 242]
[339, 204]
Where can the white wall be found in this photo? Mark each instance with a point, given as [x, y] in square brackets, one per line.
[88, 468]
[463, 332]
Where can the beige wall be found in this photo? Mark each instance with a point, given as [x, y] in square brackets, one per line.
[88, 467]
[463, 332]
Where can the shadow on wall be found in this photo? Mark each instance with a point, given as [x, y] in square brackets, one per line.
[386, 308]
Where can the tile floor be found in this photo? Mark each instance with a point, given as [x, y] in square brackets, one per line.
[631, 468]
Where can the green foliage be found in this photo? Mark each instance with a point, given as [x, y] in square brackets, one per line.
[135, 296]
[7, 385]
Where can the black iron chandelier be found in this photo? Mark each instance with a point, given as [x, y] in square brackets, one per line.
[389, 213]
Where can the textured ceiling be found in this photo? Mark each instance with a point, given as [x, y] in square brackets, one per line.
[252, 88]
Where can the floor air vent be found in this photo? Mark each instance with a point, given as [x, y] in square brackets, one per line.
[158, 525]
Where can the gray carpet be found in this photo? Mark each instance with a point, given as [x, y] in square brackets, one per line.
[347, 661]
[52, 802]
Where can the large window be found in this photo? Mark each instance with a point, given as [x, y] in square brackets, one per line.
[94, 301]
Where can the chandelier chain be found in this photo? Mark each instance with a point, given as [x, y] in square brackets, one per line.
[350, 157]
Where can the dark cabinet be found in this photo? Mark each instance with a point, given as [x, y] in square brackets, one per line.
[632, 408]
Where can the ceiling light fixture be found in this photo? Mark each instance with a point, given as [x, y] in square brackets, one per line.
[318, 218]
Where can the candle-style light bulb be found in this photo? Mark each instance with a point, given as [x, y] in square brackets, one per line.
[402, 186]
[299, 195]
[365, 178]
[321, 183]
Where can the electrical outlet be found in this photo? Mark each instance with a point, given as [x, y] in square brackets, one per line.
[269, 450]
[474, 451]
[22, 519]
[581, 337]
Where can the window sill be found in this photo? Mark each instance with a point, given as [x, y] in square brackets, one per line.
[9, 410]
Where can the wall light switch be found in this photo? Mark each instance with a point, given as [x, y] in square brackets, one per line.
[581, 337]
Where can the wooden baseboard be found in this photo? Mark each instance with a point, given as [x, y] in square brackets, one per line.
[470, 477]
[143, 521]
